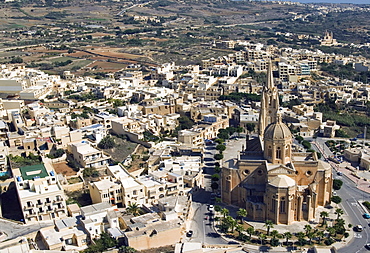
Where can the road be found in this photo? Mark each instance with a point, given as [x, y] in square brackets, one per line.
[202, 222]
[350, 196]
[14, 230]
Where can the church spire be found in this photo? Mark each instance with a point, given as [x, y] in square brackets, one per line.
[269, 102]
[270, 77]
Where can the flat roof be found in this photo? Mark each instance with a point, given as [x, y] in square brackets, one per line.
[30, 172]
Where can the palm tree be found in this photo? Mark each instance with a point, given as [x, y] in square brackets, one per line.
[339, 212]
[250, 231]
[332, 231]
[274, 234]
[287, 236]
[239, 228]
[324, 215]
[133, 208]
[307, 228]
[224, 212]
[241, 214]
[262, 237]
[232, 223]
[268, 224]
[310, 235]
[320, 234]
[301, 236]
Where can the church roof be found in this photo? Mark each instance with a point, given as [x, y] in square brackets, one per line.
[282, 181]
[277, 131]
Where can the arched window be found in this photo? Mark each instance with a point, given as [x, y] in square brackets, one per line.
[278, 153]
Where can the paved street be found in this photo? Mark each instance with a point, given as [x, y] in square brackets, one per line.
[202, 221]
[14, 230]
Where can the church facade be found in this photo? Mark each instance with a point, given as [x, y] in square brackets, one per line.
[269, 179]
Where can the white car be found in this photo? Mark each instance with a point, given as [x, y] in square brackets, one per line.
[211, 208]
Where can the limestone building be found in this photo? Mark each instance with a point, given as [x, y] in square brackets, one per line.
[269, 179]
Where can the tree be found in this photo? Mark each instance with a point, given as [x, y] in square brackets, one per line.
[90, 172]
[301, 240]
[337, 184]
[268, 224]
[133, 208]
[320, 234]
[262, 237]
[274, 233]
[336, 199]
[310, 236]
[332, 231]
[323, 216]
[214, 186]
[307, 229]
[16, 59]
[241, 213]
[339, 212]
[215, 177]
[287, 236]
[218, 156]
[239, 228]
[218, 208]
[250, 127]
[250, 231]
[221, 148]
[107, 142]
[126, 249]
[231, 222]
[239, 130]
[224, 212]
[223, 134]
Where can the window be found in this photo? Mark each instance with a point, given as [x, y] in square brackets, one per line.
[278, 153]
[282, 206]
[69, 241]
[273, 205]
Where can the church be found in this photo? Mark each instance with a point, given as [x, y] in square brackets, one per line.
[269, 179]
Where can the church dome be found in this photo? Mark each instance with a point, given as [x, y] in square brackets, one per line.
[282, 181]
[277, 131]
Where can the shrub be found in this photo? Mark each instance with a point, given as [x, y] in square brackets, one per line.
[367, 204]
[107, 142]
[337, 184]
[219, 156]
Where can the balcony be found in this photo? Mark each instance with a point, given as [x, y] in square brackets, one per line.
[39, 204]
[59, 200]
[48, 203]
[59, 208]
[28, 207]
[31, 215]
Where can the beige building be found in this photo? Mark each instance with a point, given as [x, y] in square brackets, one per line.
[120, 188]
[65, 235]
[40, 195]
[88, 156]
[269, 180]
[150, 231]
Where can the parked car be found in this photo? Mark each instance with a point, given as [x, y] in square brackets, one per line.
[367, 245]
[366, 215]
[211, 208]
[189, 233]
[358, 228]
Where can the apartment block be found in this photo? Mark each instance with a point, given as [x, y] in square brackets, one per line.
[40, 195]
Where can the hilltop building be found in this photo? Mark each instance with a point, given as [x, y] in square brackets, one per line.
[269, 179]
[328, 39]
